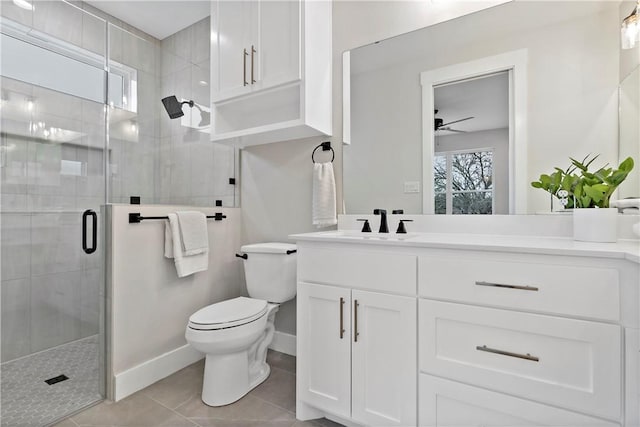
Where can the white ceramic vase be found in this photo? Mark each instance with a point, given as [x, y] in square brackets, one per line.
[595, 225]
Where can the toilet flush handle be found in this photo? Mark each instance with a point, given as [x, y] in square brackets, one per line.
[243, 256]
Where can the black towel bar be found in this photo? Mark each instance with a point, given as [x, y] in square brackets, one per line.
[135, 217]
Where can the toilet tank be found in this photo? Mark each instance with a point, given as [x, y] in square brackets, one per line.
[270, 271]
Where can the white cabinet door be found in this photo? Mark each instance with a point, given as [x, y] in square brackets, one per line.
[384, 359]
[277, 56]
[446, 403]
[231, 26]
[324, 347]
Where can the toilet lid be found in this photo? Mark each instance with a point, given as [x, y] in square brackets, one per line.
[229, 313]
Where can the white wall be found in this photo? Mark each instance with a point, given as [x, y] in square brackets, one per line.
[276, 178]
[150, 306]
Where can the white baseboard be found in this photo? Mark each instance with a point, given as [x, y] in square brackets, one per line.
[284, 343]
[147, 373]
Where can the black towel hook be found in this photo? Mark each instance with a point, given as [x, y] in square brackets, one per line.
[326, 146]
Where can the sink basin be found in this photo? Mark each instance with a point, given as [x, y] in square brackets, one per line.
[354, 234]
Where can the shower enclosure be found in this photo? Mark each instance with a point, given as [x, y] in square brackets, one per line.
[82, 125]
[53, 143]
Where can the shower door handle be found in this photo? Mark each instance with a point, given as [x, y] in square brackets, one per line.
[94, 233]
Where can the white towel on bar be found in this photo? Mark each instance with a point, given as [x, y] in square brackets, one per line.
[193, 232]
[185, 265]
[324, 195]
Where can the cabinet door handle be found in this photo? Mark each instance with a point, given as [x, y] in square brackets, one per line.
[355, 321]
[508, 353]
[253, 51]
[499, 285]
[341, 317]
[244, 66]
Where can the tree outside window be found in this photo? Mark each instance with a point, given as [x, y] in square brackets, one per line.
[463, 182]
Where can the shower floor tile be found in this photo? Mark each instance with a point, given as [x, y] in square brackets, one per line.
[27, 401]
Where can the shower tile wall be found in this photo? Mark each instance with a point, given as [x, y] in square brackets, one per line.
[161, 160]
[191, 170]
[134, 137]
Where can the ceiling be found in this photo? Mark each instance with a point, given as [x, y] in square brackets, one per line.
[157, 18]
[485, 99]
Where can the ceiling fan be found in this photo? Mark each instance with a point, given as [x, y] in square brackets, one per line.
[440, 125]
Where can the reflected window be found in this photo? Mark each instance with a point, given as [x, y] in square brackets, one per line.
[463, 182]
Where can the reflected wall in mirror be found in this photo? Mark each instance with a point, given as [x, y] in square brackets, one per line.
[630, 132]
[568, 102]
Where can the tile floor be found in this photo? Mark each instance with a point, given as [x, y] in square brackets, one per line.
[27, 401]
[175, 402]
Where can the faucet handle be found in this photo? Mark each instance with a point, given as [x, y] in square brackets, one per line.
[401, 228]
[397, 212]
[366, 228]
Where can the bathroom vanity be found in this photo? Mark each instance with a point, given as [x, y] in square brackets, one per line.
[467, 330]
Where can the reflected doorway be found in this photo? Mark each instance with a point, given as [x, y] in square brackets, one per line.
[471, 146]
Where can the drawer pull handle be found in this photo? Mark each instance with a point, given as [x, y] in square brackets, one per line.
[508, 353]
[499, 285]
[341, 317]
[355, 321]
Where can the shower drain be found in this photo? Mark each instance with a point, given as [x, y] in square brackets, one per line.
[55, 380]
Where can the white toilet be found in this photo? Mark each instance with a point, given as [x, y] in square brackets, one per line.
[236, 333]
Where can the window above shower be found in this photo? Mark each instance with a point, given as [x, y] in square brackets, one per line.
[70, 69]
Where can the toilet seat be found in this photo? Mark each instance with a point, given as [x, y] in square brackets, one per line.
[228, 314]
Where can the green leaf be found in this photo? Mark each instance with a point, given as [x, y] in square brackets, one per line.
[626, 165]
[590, 161]
[578, 164]
[567, 182]
[536, 184]
[585, 202]
[595, 194]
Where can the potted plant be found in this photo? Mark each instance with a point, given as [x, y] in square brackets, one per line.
[588, 194]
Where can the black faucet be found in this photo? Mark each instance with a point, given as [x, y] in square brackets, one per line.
[384, 228]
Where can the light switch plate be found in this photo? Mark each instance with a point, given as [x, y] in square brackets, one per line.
[412, 187]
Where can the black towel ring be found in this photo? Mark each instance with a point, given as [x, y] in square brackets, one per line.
[326, 146]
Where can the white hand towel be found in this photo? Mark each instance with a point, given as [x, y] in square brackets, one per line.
[324, 195]
[193, 232]
[168, 240]
[185, 265]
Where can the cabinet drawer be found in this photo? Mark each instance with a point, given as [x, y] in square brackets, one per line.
[569, 363]
[445, 403]
[589, 292]
[378, 271]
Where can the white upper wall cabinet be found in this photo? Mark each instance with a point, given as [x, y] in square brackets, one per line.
[271, 70]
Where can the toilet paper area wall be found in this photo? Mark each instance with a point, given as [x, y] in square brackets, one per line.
[148, 306]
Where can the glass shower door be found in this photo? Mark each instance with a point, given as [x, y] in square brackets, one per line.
[53, 148]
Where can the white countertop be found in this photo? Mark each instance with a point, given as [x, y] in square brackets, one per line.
[623, 249]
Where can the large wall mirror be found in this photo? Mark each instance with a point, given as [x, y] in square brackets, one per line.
[460, 117]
